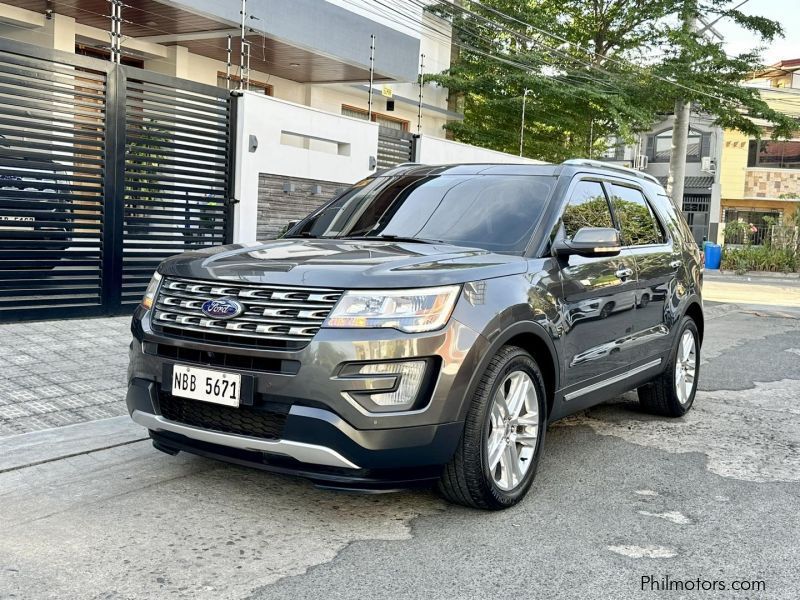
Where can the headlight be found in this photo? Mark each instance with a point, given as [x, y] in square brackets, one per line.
[412, 311]
[150, 293]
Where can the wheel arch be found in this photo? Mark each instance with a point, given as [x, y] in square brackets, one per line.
[695, 311]
[534, 339]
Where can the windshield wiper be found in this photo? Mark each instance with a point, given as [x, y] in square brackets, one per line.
[393, 238]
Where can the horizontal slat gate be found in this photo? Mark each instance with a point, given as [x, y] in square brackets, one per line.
[176, 173]
[52, 182]
[395, 147]
[105, 170]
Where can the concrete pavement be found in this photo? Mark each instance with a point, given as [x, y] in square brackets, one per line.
[619, 495]
[57, 373]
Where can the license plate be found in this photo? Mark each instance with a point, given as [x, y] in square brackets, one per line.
[206, 385]
[4, 223]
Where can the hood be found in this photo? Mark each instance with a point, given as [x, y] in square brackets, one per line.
[351, 264]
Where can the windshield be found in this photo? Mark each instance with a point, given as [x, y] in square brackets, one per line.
[493, 212]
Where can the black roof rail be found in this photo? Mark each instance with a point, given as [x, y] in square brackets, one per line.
[599, 164]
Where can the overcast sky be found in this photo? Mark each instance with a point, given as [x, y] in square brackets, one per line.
[786, 12]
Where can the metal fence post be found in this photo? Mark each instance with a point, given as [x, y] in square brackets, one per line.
[114, 190]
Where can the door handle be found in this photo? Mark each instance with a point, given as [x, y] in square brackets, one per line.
[624, 273]
[676, 264]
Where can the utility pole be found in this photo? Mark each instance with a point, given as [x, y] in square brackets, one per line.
[455, 100]
[680, 128]
[522, 120]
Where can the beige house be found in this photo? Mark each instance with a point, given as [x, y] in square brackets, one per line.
[761, 179]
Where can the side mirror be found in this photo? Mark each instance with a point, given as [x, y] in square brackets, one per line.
[590, 241]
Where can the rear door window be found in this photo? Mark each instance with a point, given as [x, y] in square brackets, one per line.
[638, 225]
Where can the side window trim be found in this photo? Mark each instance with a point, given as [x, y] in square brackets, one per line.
[668, 241]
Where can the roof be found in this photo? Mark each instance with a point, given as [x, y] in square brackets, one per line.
[695, 183]
[780, 68]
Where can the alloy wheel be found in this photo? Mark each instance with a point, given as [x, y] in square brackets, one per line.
[685, 367]
[513, 430]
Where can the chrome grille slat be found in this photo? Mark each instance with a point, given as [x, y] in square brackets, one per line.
[248, 316]
[251, 301]
[241, 319]
[280, 314]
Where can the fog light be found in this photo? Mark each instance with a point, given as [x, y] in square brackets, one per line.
[401, 380]
[411, 374]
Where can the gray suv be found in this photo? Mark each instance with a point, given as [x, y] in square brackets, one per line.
[424, 327]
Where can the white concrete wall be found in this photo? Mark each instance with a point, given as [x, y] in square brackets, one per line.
[437, 151]
[331, 98]
[295, 141]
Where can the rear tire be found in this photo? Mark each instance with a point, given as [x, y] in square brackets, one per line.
[672, 393]
[495, 463]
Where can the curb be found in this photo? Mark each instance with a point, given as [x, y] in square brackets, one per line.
[757, 274]
[38, 447]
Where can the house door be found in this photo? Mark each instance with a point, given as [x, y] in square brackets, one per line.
[696, 209]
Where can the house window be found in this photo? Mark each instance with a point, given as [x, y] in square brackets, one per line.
[101, 53]
[662, 146]
[774, 154]
[235, 79]
[380, 119]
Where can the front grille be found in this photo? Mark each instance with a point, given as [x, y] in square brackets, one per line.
[244, 420]
[224, 359]
[273, 317]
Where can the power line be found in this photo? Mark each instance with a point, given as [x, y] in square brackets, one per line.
[526, 67]
[551, 50]
[581, 48]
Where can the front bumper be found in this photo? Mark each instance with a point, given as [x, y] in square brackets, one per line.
[325, 436]
[315, 444]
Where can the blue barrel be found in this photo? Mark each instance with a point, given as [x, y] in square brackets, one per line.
[713, 256]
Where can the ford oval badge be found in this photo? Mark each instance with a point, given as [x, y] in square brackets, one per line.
[222, 308]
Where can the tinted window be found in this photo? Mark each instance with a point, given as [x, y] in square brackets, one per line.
[636, 220]
[587, 207]
[493, 212]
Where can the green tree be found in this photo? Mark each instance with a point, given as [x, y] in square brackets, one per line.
[595, 69]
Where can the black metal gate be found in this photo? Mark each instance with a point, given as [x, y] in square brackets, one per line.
[696, 210]
[104, 171]
[395, 147]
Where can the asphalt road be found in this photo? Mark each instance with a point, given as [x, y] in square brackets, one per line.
[619, 495]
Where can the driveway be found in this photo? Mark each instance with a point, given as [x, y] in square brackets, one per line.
[92, 511]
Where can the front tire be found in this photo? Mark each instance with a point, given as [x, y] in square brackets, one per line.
[495, 463]
[672, 393]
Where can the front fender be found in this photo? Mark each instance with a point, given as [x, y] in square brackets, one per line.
[530, 331]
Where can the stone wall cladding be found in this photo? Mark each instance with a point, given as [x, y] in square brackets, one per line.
[277, 207]
[771, 184]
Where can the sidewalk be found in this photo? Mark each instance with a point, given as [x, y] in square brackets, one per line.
[753, 290]
[56, 373]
